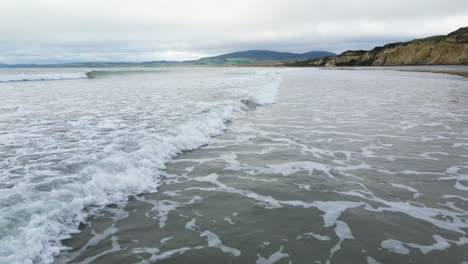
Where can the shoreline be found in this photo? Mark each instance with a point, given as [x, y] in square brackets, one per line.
[462, 74]
[406, 68]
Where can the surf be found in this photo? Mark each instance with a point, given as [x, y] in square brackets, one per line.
[106, 141]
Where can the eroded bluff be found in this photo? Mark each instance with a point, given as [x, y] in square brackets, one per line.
[449, 49]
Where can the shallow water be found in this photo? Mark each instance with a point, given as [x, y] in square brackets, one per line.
[75, 140]
[347, 167]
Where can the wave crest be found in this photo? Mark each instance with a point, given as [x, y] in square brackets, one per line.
[43, 77]
[95, 73]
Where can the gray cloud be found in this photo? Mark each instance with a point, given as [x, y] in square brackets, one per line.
[41, 31]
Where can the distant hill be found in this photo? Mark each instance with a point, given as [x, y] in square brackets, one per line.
[235, 58]
[252, 57]
[160, 62]
[267, 55]
[449, 49]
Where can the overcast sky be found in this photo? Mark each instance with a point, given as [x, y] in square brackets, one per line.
[45, 31]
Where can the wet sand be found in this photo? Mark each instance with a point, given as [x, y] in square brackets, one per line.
[459, 70]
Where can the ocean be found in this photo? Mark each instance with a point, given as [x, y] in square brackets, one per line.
[233, 165]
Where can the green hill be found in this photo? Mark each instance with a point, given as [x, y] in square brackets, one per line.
[266, 55]
[235, 58]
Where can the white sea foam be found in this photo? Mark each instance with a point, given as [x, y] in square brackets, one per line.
[268, 201]
[448, 196]
[306, 187]
[164, 240]
[371, 260]
[215, 242]
[343, 232]
[102, 144]
[394, 246]
[440, 244]
[156, 254]
[273, 258]
[411, 189]
[191, 225]
[427, 214]
[290, 168]
[43, 77]
[229, 220]
[317, 236]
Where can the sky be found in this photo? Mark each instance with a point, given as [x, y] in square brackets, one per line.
[55, 31]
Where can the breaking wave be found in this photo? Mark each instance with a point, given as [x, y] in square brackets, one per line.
[68, 168]
[71, 75]
[96, 73]
[43, 77]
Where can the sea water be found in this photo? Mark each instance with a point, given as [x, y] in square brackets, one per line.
[75, 140]
[234, 165]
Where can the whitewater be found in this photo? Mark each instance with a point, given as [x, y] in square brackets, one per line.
[73, 141]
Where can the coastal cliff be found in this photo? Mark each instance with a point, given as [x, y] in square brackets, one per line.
[449, 49]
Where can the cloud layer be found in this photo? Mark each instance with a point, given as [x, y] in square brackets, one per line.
[43, 31]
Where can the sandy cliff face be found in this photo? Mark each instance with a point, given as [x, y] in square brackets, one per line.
[450, 49]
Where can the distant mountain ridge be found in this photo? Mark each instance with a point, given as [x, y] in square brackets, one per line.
[267, 55]
[256, 57]
[235, 58]
[442, 49]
